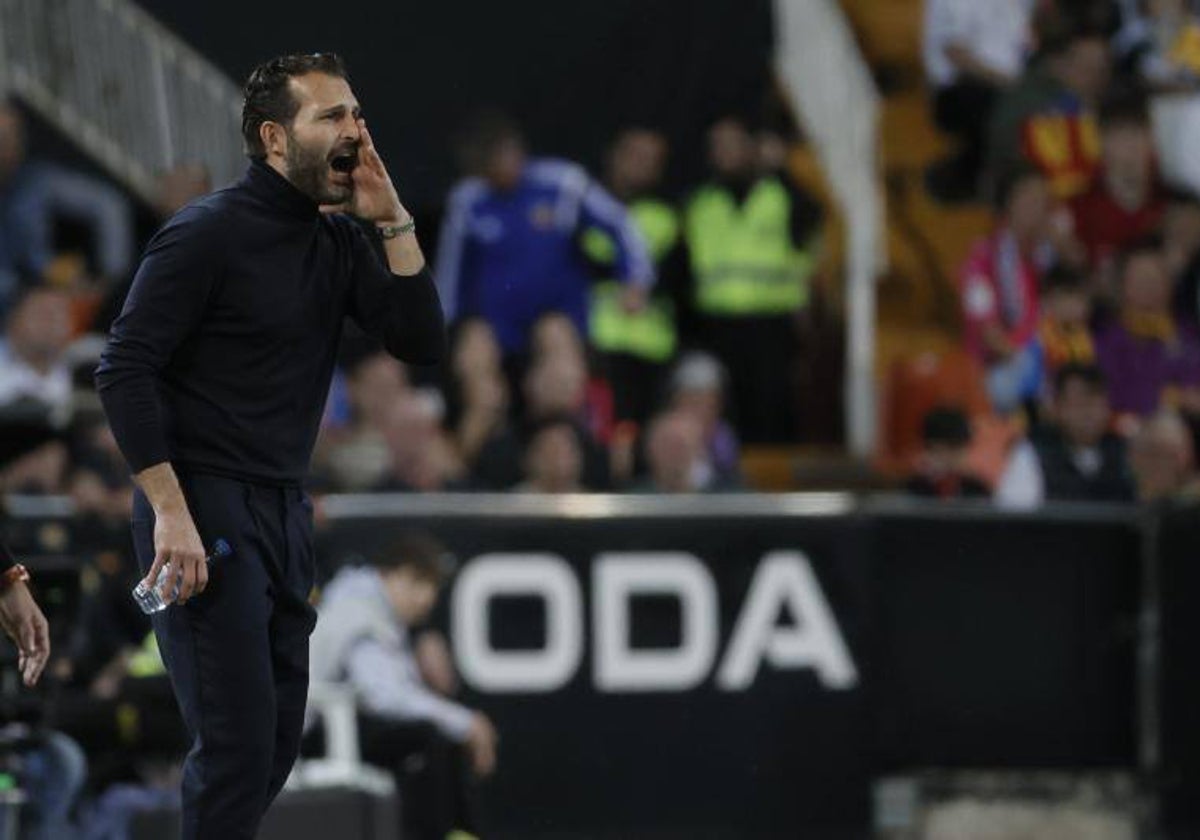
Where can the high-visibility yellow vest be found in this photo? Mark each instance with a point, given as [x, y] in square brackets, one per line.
[743, 259]
[649, 334]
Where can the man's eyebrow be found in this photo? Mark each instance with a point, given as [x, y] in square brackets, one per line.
[356, 111]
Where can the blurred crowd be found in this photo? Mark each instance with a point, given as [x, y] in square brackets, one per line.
[610, 335]
[1080, 308]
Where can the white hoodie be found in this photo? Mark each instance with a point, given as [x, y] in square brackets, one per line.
[360, 642]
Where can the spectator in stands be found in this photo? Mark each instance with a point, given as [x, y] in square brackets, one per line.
[999, 289]
[99, 484]
[1162, 458]
[942, 471]
[676, 458]
[33, 368]
[356, 458]
[33, 196]
[1160, 41]
[1075, 458]
[553, 460]
[1125, 201]
[1146, 352]
[556, 386]
[751, 238]
[364, 639]
[974, 50]
[637, 345]
[1047, 119]
[698, 390]
[555, 337]
[179, 186]
[1064, 334]
[421, 457]
[478, 396]
[509, 252]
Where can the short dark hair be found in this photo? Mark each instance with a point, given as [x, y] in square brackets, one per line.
[1064, 278]
[480, 135]
[418, 551]
[1006, 183]
[1124, 106]
[1090, 376]
[946, 425]
[266, 94]
[1151, 243]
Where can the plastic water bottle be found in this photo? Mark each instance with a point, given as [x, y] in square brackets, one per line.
[149, 598]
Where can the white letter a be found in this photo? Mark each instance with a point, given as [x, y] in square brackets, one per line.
[786, 578]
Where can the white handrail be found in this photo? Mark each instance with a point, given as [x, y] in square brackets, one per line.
[127, 90]
[828, 82]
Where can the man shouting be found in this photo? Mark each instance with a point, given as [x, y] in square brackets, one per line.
[214, 380]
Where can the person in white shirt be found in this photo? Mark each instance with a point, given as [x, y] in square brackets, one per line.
[364, 639]
[33, 367]
[973, 50]
[1077, 458]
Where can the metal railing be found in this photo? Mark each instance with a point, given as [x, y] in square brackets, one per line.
[127, 90]
[826, 79]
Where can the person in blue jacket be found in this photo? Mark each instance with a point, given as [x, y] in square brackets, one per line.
[509, 250]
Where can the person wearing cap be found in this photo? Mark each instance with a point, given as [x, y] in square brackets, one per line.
[698, 390]
[369, 617]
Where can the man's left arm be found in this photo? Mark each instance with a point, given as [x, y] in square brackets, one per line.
[598, 209]
[397, 303]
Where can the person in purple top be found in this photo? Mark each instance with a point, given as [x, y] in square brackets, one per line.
[1146, 353]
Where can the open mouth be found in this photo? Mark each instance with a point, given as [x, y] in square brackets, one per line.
[345, 162]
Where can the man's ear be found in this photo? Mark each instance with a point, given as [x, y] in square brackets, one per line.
[274, 138]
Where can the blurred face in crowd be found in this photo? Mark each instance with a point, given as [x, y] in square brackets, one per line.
[553, 461]
[421, 456]
[323, 134]
[1082, 411]
[505, 163]
[476, 352]
[1069, 307]
[1084, 68]
[637, 163]
[556, 385]
[1161, 456]
[40, 327]
[180, 185]
[940, 459]
[555, 335]
[376, 384]
[732, 150]
[674, 450]
[701, 404]
[1030, 206]
[1128, 155]
[12, 140]
[412, 595]
[1145, 285]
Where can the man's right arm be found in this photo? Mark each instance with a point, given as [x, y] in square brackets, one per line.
[167, 300]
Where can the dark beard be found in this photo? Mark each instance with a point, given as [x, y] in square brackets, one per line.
[308, 170]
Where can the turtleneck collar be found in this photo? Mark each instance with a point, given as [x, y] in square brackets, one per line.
[264, 182]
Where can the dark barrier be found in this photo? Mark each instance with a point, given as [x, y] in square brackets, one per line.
[1175, 543]
[743, 666]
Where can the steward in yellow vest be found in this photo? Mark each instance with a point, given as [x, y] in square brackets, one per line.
[636, 344]
[751, 236]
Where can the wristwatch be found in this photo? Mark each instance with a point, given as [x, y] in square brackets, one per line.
[392, 231]
[13, 574]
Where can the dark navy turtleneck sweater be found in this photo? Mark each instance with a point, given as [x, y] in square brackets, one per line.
[221, 359]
